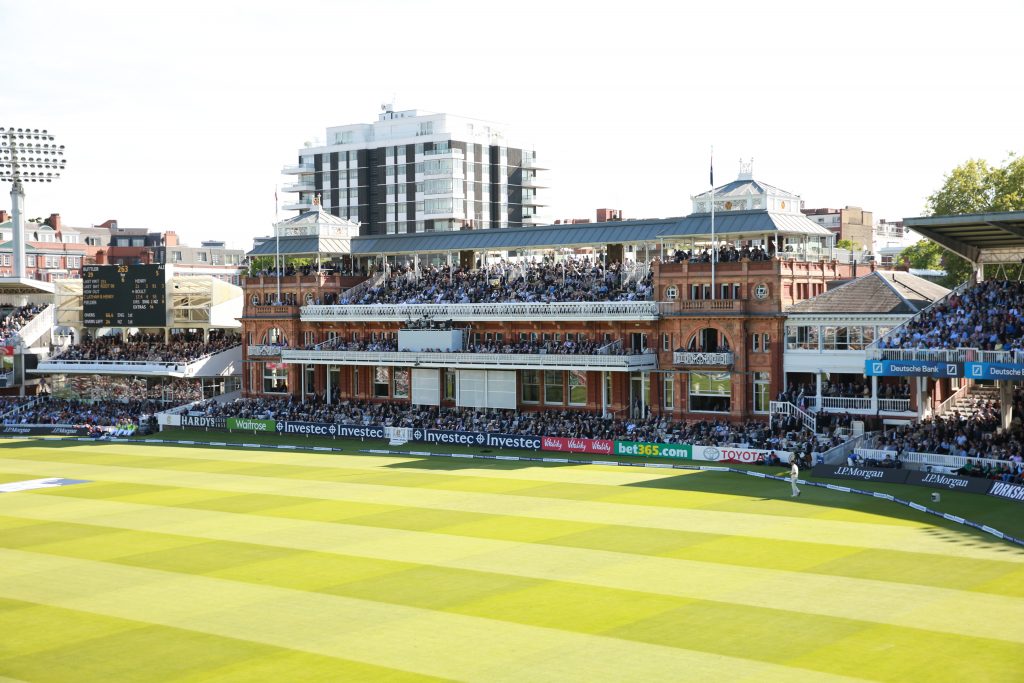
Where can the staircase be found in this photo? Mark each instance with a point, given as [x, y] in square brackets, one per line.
[966, 402]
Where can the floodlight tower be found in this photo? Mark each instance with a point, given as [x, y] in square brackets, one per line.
[27, 155]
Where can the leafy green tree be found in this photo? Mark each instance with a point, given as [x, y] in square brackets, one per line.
[972, 187]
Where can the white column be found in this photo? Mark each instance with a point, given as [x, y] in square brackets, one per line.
[328, 385]
[18, 227]
[874, 394]
[302, 369]
[604, 393]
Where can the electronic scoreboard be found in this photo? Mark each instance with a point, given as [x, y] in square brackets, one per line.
[124, 296]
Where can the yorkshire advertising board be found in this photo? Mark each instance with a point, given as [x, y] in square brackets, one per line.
[644, 449]
[1002, 489]
[993, 371]
[912, 368]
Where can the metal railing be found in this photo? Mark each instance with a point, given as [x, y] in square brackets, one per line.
[41, 324]
[702, 358]
[838, 454]
[948, 404]
[590, 310]
[18, 408]
[357, 291]
[918, 460]
[902, 326]
[894, 405]
[642, 361]
[788, 409]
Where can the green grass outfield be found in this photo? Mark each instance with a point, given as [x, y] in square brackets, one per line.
[195, 564]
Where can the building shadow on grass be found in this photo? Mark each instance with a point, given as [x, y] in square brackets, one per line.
[999, 514]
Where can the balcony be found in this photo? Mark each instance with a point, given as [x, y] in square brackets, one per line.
[298, 206]
[589, 310]
[858, 405]
[476, 361]
[703, 306]
[702, 358]
[252, 311]
[296, 169]
[220, 364]
[263, 351]
[302, 186]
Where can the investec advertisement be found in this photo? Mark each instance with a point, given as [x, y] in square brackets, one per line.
[912, 368]
[531, 443]
[734, 454]
[653, 450]
[336, 431]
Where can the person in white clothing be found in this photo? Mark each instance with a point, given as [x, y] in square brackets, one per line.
[794, 474]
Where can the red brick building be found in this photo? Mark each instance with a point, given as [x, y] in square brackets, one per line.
[694, 344]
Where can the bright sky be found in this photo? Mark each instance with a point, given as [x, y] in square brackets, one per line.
[181, 115]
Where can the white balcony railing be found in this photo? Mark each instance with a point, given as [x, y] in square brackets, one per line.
[263, 351]
[552, 361]
[588, 310]
[296, 169]
[701, 358]
[112, 367]
[894, 405]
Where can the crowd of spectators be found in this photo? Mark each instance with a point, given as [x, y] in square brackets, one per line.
[103, 413]
[976, 433]
[781, 436]
[803, 393]
[727, 253]
[14, 319]
[570, 279]
[183, 347]
[566, 347]
[987, 316]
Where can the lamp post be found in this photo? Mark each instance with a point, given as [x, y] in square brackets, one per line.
[27, 155]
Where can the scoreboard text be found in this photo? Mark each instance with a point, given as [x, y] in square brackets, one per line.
[124, 296]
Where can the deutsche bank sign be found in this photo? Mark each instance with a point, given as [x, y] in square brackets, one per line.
[912, 368]
[993, 371]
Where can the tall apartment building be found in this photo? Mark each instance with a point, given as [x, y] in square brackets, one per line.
[413, 171]
[850, 223]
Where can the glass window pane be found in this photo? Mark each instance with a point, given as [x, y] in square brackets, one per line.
[554, 388]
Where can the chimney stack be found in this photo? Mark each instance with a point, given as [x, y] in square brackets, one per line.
[4, 216]
[54, 221]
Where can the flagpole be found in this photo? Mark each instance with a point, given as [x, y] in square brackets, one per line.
[277, 249]
[714, 250]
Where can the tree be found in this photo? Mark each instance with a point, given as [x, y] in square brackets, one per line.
[847, 244]
[972, 187]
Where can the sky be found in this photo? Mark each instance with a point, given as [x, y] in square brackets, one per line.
[180, 116]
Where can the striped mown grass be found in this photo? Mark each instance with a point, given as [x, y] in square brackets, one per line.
[188, 564]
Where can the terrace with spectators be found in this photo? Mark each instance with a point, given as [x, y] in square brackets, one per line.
[972, 438]
[577, 424]
[48, 410]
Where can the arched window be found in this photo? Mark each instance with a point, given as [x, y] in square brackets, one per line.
[275, 336]
[709, 340]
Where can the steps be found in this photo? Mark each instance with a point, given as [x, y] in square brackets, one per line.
[977, 394]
